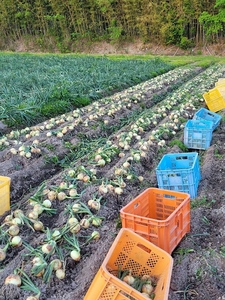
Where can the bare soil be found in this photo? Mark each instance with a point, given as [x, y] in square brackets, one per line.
[199, 259]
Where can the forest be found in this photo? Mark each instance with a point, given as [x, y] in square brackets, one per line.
[184, 23]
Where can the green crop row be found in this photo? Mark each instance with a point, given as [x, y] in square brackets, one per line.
[34, 88]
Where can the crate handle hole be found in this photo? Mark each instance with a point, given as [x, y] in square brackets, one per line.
[169, 196]
[173, 175]
[181, 157]
[144, 248]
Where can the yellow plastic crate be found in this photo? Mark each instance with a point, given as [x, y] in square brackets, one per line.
[220, 81]
[214, 100]
[221, 88]
[130, 251]
[4, 194]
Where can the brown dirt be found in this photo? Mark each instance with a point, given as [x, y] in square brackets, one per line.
[199, 260]
[136, 47]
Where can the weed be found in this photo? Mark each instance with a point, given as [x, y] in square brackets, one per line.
[222, 250]
[179, 144]
[183, 252]
[201, 202]
[217, 154]
[50, 147]
[198, 274]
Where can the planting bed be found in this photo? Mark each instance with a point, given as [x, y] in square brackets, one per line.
[111, 149]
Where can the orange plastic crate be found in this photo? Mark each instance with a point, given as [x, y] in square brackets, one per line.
[130, 251]
[4, 194]
[160, 216]
[214, 100]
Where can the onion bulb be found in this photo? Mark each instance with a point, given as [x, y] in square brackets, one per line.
[72, 221]
[47, 203]
[56, 234]
[48, 248]
[56, 264]
[73, 192]
[33, 215]
[38, 226]
[61, 196]
[96, 221]
[118, 190]
[75, 228]
[13, 230]
[129, 279]
[95, 205]
[147, 288]
[76, 207]
[38, 208]
[103, 189]
[2, 254]
[16, 241]
[85, 223]
[75, 255]
[16, 221]
[60, 274]
[95, 235]
[51, 195]
[37, 260]
[18, 213]
[13, 279]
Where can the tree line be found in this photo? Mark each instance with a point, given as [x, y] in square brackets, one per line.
[185, 23]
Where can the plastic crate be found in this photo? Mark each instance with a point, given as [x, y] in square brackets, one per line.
[4, 194]
[179, 172]
[220, 81]
[198, 134]
[130, 251]
[160, 216]
[214, 100]
[205, 114]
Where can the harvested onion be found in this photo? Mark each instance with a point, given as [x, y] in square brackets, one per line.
[16, 241]
[60, 274]
[75, 255]
[13, 279]
[129, 279]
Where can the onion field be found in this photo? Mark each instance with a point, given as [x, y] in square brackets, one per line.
[84, 137]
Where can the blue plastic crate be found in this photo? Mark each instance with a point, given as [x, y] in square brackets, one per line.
[198, 134]
[179, 172]
[205, 114]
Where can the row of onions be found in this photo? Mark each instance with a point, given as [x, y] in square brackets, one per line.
[25, 142]
[80, 214]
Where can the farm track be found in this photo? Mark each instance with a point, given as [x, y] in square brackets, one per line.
[149, 141]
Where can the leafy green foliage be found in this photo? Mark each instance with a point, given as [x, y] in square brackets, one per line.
[36, 87]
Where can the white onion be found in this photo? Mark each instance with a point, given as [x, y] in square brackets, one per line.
[73, 192]
[38, 225]
[48, 248]
[75, 255]
[13, 230]
[60, 274]
[33, 215]
[61, 196]
[2, 254]
[129, 279]
[147, 288]
[85, 223]
[47, 203]
[57, 264]
[51, 195]
[16, 241]
[13, 279]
